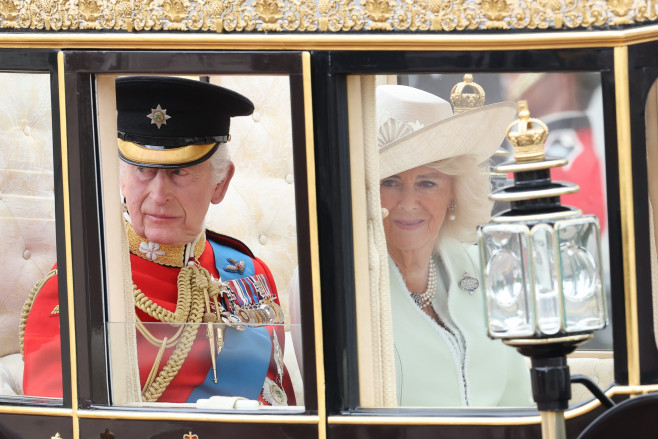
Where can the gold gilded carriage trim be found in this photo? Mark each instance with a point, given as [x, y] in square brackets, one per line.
[323, 15]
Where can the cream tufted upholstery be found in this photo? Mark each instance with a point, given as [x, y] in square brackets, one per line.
[27, 212]
[259, 207]
[600, 370]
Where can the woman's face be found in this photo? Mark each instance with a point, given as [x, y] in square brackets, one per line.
[417, 201]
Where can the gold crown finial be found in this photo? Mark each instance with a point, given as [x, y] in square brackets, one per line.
[529, 138]
[461, 101]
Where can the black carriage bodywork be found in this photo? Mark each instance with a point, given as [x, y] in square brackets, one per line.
[318, 69]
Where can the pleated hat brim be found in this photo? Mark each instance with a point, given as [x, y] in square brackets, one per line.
[476, 133]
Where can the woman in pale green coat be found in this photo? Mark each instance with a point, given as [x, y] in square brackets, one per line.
[434, 187]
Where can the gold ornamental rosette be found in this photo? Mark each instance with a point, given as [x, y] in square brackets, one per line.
[322, 15]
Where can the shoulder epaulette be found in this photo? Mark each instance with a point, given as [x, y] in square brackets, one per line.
[27, 306]
[229, 241]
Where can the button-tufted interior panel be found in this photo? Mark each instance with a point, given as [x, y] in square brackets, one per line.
[599, 370]
[27, 218]
[259, 207]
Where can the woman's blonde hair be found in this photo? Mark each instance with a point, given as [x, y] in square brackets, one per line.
[471, 185]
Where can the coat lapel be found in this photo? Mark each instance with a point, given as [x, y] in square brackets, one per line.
[486, 378]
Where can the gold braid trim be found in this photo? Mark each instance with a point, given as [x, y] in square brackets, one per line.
[183, 304]
[156, 341]
[193, 283]
[27, 306]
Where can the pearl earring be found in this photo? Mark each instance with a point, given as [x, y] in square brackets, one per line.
[452, 216]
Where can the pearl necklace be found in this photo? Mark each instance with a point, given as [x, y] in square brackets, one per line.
[422, 299]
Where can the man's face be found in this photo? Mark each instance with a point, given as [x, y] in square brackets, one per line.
[168, 206]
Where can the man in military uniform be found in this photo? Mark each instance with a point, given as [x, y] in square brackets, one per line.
[171, 137]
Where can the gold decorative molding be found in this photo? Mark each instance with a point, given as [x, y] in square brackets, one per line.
[253, 16]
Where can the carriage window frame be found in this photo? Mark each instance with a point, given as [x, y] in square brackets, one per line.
[44, 62]
[642, 79]
[331, 75]
[90, 273]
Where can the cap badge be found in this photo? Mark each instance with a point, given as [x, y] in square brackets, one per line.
[158, 116]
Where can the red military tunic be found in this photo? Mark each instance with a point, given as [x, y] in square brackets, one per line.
[42, 353]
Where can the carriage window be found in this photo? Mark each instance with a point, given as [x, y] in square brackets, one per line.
[27, 233]
[651, 115]
[209, 318]
[420, 313]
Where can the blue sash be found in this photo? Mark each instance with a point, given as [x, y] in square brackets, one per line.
[222, 255]
[242, 365]
[243, 362]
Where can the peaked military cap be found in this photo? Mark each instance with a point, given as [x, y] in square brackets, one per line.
[167, 122]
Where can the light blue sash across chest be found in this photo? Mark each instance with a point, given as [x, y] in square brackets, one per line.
[243, 362]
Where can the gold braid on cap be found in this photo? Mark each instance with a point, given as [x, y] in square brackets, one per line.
[461, 101]
[529, 138]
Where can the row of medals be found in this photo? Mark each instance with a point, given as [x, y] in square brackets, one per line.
[266, 311]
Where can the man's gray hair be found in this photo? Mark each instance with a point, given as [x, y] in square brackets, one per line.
[219, 162]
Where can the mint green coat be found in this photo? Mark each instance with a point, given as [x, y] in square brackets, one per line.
[436, 370]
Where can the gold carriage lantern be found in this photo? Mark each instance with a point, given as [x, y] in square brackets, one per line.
[541, 271]
[541, 261]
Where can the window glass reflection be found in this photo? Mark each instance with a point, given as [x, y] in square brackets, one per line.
[27, 231]
[229, 272]
[433, 192]
[651, 118]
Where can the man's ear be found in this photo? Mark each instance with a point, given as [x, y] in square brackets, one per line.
[221, 188]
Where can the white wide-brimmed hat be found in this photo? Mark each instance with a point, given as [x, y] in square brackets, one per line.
[417, 128]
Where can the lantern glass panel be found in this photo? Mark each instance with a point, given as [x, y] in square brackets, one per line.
[580, 274]
[547, 297]
[507, 280]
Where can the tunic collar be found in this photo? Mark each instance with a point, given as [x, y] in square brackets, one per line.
[164, 254]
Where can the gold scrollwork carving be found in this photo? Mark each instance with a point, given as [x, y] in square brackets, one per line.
[89, 11]
[322, 15]
[379, 12]
[495, 12]
[9, 10]
[270, 13]
[621, 9]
